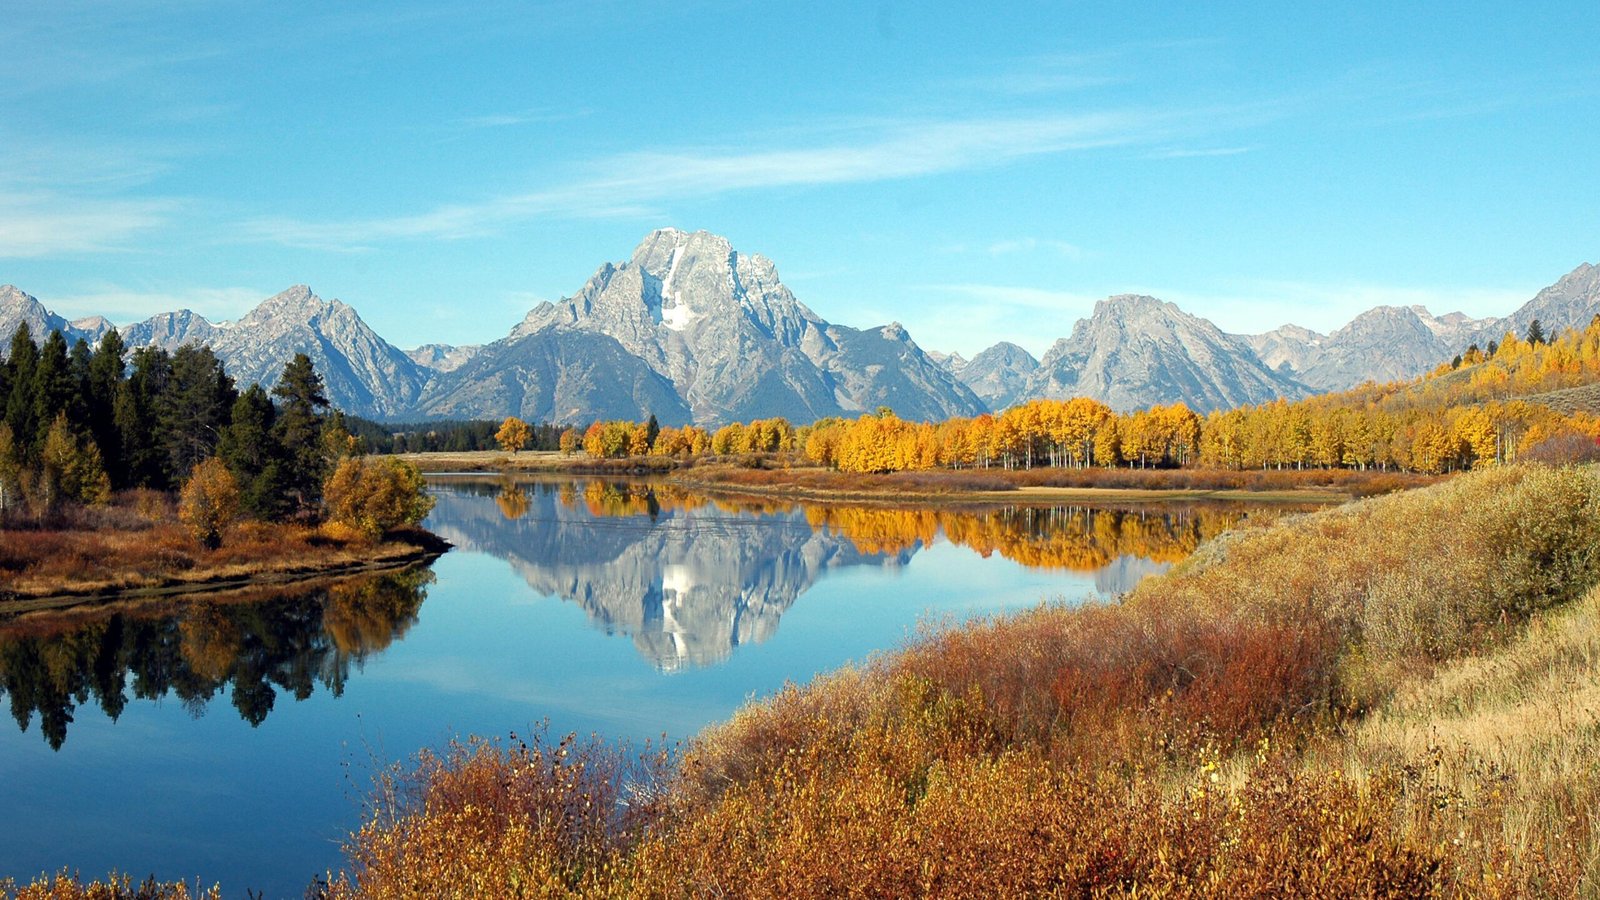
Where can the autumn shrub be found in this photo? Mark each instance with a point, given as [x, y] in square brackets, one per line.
[1567, 448]
[67, 886]
[1185, 741]
[374, 496]
[209, 502]
[528, 817]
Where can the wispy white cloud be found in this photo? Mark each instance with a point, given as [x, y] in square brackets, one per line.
[1029, 298]
[125, 305]
[633, 183]
[1035, 245]
[44, 223]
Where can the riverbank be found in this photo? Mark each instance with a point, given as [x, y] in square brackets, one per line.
[1315, 707]
[782, 475]
[136, 548]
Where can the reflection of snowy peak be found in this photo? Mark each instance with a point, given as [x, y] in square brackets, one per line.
[687, 585]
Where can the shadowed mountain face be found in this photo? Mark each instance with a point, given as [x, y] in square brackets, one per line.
[689, 579]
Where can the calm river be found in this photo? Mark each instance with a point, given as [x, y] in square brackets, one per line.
[234, 740]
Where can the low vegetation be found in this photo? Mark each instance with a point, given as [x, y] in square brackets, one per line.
[137, 542]
[1389, 698]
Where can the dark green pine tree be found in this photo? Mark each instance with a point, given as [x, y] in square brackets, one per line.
[100, 397]
[53, 388]
[78, 360]
[193, 410]
[21, 362]
[133, 415]
[1535, 332]
[251, 450]
[299, 430]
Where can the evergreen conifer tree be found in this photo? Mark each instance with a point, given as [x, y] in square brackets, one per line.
[21, 362]
[252, 452]
[299, 431]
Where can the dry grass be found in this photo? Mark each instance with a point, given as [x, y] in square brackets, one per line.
[1348, 703]
[67, 886]
[138, 544]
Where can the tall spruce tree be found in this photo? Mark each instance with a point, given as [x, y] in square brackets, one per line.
[21, 362]
[193, 410]
[299, 430]
[251, 449]
[105, 377]
[134, 417]
[52, 385]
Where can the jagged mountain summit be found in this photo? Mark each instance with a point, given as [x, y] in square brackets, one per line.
[1137, 351]
[1572, 302]
[363, 373]
[17, 307]
[690, 329]
[443, 357]
[998, 375]
[1387, 343]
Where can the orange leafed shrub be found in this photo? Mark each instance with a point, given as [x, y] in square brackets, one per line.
[209, 502]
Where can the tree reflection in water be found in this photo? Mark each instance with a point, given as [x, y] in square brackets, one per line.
[194, 649]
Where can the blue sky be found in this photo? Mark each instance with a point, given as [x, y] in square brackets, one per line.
[976, 174]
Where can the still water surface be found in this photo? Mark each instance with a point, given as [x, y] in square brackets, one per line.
[234, 740]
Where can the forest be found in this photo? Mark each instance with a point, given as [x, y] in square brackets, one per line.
[110, 462]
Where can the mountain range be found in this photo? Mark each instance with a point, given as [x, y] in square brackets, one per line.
[692, 330]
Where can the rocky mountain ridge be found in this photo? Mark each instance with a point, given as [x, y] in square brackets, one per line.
[690, 329]
[695, 330]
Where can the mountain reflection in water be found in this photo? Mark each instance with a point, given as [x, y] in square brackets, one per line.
[254, 646]
[690, 577]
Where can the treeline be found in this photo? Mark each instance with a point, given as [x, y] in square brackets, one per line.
[80, 423]
[1462, 415]
[447, 436]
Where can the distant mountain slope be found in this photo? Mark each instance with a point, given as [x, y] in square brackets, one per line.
[1387, 343]
[723, 331]
[17, 307]
[1137, 351]
[443, 357]
[1571, 302]
[364, 374]
[998, 375]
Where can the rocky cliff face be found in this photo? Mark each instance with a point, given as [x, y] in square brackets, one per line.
[363, 373]
[1138, 351]
[724, 332]
[17, 307]
[1386, 343]
[1392, 342]
[998, 375]
[443, 357]
[1572, 302]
